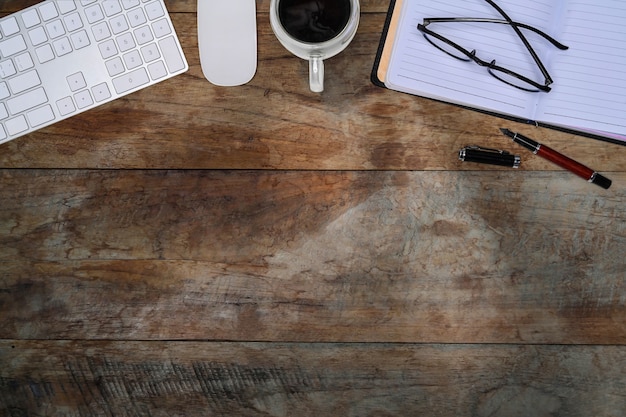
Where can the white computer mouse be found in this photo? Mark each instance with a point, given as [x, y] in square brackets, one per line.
[227, 40]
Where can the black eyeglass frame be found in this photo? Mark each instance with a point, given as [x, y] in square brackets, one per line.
[492, 66]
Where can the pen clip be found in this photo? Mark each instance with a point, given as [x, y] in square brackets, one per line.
[480, 148]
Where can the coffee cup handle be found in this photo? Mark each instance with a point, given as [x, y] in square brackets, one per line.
[316, 74]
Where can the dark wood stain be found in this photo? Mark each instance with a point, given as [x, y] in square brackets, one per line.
[192, 250]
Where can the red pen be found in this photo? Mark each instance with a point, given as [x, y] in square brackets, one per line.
[558, 158]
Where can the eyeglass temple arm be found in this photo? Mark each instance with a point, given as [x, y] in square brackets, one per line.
[530, 49]
[500, 21]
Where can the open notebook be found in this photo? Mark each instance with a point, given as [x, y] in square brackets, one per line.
[589, 91]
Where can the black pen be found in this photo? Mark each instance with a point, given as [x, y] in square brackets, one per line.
[490, 156]
[558, 158]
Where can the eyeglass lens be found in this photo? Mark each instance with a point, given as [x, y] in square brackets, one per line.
[446, 47]
[512, 80]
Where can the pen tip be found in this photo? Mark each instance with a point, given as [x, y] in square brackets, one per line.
[506, 132]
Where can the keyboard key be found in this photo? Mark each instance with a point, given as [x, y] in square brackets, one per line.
[80, 39]
[38, 36]
[4, 90]
[73, 22]
[157, 70]
[150, 52]
[55, 29]
[30, 18]
[24, 82]
[101, 31]
[129, 4]
[115, 66]
[76, 81]
[111, 7]
[125, 42]
[173, 58]
[44, 53]
[132, 59]
[27, 101]
[101, 92]
[119, 24]
[66, 6]
[107, 49]
[94, 13]
[40, 116]
[143, 35]
[83, 99]
[62, 46]
[12, 46]
[161, 28]
[3, 112]
[24, 61]
[66, 106]
[137, 18]
[7, 69]
[131, 80]
[48, 11]
[154, 10]
[3, 133]
[9, 26]
[16, 125]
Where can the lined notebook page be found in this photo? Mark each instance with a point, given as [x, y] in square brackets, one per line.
[590, 87]
[419, 68]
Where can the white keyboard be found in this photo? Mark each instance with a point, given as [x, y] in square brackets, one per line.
[59, 58]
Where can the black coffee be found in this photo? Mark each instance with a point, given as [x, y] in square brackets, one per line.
[314, 21]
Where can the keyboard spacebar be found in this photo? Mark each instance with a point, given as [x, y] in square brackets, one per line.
[27, 101]
[131, 80]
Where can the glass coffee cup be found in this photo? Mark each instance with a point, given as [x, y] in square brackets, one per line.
[315, 30]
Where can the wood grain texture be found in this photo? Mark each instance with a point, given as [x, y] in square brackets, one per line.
[312, 256]
[257, 379]
[191, 250]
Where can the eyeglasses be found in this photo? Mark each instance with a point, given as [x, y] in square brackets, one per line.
[503, 74]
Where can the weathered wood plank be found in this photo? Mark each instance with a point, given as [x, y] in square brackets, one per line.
[254, 379]
[312, 256]
[275, 122]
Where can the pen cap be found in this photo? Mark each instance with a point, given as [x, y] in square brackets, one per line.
[489, 156]
[601, 180]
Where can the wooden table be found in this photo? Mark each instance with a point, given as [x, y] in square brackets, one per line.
[264, 250]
